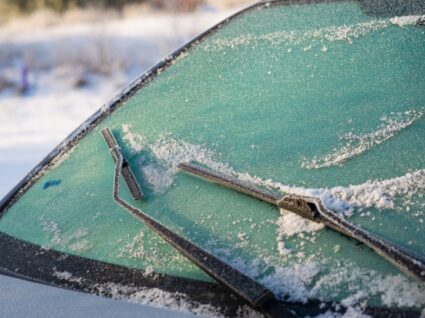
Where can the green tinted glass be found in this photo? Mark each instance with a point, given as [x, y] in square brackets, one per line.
[318, 99]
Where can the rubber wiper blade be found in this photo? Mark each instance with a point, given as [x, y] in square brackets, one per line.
[314, 210]
[247, 288]
[230, 182]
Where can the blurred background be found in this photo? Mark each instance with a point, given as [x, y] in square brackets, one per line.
[61, 60]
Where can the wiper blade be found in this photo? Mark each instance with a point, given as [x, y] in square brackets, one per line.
[126, 172]
[254, 293]
[313, 209]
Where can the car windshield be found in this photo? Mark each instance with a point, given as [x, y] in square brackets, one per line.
[322, 99]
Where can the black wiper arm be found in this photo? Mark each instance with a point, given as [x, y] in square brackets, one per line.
[255, 294]
[314, 210]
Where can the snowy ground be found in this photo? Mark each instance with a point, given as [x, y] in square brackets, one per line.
[73, 69]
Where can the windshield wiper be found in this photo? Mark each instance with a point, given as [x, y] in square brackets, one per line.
[255, 294]
[313, 209]
[126, 172]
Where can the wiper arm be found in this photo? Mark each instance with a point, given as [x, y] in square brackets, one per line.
[255, 294]
[314, 210]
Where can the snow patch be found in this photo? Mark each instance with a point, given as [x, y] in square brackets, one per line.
[406, 20]
[346, 33]
[53, 229]
[174, 151]
[80, 246]
[351, 312]
[168, 152]
[134, 249]
[356, 144]
[153, 297]
[301, 281]
[343, 199]
[392, 287]
[135, 141]
[67, 276]
[393, 290]
[63, 275]
[292, 282]
[290, 224]
[74, 241]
